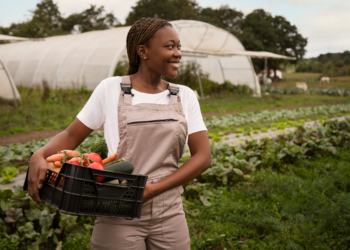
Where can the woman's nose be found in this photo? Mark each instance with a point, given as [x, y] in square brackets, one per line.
[177, 53]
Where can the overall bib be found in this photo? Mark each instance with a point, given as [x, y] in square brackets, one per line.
[152, 137]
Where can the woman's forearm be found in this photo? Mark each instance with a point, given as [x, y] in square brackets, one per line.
[70, 138]
[60, 142]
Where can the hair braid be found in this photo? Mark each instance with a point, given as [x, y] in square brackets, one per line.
[139, 34]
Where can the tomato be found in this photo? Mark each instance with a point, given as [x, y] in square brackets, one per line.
[93, 156]
[75, 161]
[99, 166]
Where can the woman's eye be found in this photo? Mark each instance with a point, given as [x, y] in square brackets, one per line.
[172, 46]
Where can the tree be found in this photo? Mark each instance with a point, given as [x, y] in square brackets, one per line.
[224, 17]
[263, 32]
[330, 64]
[46, 21]
[165, 9]
[90, 19]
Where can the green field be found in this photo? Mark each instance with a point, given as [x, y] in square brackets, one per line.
[312, 80]
[305, 207]
[36, 113]
[291, 192]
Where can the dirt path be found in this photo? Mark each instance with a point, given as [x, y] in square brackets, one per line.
[26, 137]
[38, 135]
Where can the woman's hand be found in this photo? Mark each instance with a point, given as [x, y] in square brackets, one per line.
[70, 138]
[149, 192]
[36, 175]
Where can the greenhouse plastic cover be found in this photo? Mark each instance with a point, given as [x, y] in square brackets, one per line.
[9, 92]
[12, 38]
[72, 61]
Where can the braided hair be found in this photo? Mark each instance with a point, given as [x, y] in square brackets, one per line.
[139, 34]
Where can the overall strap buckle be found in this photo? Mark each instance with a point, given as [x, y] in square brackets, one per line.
[173, 89]
[126, 88]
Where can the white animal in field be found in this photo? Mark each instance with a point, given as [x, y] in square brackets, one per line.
[324, 79]
[301, 85]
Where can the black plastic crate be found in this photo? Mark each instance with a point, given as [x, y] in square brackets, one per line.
[74, 190]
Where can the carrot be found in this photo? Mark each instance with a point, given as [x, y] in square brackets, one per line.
[109, 158]
[58, 164]
[56, 157]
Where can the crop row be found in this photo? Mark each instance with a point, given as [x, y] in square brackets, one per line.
[238, 119]
[231, 164]
[25, 224]
[314, 91]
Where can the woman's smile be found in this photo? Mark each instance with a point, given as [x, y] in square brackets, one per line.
[175, 64]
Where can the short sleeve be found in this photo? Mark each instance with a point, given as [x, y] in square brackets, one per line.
[195, 118]
[93, 115]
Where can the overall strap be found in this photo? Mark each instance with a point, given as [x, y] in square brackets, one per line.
[173, 93]
[126, 89]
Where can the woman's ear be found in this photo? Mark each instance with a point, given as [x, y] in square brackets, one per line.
[142, 51]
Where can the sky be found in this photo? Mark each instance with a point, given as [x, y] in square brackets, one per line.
[324, 22]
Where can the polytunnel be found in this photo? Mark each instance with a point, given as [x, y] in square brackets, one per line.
[72, 61]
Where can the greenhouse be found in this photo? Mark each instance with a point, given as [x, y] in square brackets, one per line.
[9, 92]
[72, 61]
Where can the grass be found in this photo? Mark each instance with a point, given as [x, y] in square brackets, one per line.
[34, 114]
[61, 106]
[312, 80]
[306, 207]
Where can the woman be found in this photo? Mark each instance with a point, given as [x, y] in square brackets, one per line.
[148, 122]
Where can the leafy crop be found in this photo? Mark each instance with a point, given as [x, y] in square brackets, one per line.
[307, 208]
[7, 174]
[314, 91]
[227, 121]
[230, 164]
[271, 203]
[25, 224]
[94, 143]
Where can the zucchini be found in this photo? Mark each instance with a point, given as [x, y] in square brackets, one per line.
[113, 162]
[115, 182]
[124, 167]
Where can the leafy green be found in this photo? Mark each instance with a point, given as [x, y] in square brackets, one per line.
[283, 115]
[94, 143]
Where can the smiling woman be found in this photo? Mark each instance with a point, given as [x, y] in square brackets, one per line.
[148, 121]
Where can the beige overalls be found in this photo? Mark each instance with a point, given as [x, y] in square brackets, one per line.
[152, 137]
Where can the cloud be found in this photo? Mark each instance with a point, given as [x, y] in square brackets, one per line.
[306, 2]
[120, 8]
[328, 29]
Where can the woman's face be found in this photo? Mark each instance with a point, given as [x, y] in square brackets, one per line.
[163, 52]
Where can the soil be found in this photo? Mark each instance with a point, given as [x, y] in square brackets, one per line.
[26, 137]
[38, 135]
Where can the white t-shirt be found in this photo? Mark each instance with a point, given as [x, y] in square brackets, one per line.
[102, 108]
